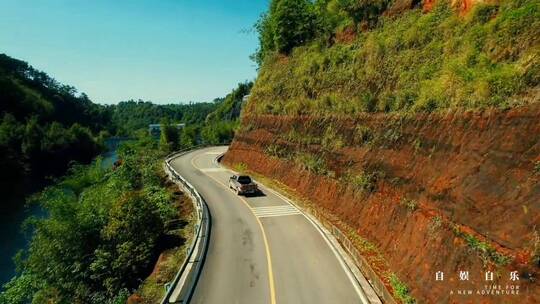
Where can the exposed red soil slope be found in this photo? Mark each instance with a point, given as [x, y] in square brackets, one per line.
[472, 176]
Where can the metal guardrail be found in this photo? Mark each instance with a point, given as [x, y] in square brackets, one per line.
[183, 284]
[358, 259]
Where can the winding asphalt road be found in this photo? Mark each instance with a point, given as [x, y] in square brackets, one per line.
[262, 249]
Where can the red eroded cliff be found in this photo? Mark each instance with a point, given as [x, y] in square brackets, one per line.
[434, 192]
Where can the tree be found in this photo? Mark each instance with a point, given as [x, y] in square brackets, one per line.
[219, 132]
[129, 241]
[361, 10]
[288, 23]
[293, 24]
[169, 138]
[189, 136]
[33, 134]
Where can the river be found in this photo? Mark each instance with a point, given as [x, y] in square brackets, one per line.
[14, 212]
[12, 215]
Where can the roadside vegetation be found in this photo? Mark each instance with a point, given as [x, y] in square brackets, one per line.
[205, 122]
[401, 291]
[103, 231]
[217, 126]
[104, 228]
[45, 125]
[364, 181]
[409, 62]
[483, 249]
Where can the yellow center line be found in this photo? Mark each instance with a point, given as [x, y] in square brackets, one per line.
[265, 240]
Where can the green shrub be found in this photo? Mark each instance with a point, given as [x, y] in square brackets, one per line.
[101, 232]
[363, 134]
[311, 163]
[484, 250]
[240, 167]
[296, 136]
[365, 181]
[401, 291]
[434, 225]
[277, 151]
[410, 204]
[537, 168]
[483, 12]
[331, 139]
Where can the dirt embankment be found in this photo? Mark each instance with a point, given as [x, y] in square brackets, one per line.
[434, 192]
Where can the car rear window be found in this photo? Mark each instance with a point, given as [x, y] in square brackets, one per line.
[244, 179]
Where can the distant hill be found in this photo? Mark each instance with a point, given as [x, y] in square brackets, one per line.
[128, 116]
[27, 92]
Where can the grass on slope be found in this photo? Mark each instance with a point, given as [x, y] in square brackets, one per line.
[414, 62]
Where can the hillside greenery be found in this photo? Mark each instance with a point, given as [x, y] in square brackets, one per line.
[103, 231]
[127, 117]
[45, 126]
[104, 226]
[220, 125]
[410, 62]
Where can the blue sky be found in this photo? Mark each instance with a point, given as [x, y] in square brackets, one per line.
[163, 50]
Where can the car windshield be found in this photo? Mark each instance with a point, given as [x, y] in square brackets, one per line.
[244, 180]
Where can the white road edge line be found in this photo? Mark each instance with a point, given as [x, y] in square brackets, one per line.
[346, 269]
[275, 209]
[276, 212]
[276, 215]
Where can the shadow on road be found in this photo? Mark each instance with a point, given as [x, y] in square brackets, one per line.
[256, 194]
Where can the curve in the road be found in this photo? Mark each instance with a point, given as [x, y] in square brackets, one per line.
[266, 247]
[262, 250]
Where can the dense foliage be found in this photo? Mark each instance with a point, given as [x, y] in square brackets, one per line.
[415, 61]
[103, 227]
[130, 116]
[101, 234]
[220, 125]
[43, 125]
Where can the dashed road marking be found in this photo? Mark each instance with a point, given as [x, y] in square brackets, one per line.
[272, 211]
[213, 153]
[213, 169]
